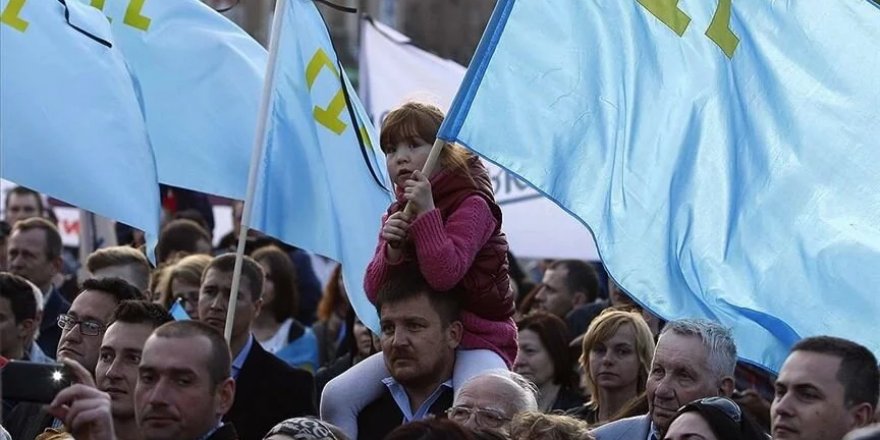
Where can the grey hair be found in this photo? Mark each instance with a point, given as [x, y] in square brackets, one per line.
[526, 392]
[717, 339]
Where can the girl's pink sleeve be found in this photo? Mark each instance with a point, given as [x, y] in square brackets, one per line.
[377, 270]
[446, 252]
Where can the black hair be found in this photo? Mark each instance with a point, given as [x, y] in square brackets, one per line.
[118, 288]
[407, 282]
[20, 295]
[581, 277]
[141, 312]
[722, 425]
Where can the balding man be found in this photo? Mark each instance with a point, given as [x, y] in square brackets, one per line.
[491, 400]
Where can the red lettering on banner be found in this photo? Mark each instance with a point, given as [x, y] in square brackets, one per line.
[70, 227]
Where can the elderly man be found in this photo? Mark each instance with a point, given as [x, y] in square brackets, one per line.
[826, 388]
[693, 359]
[491, 400]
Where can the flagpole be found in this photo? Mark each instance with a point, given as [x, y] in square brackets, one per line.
[430, 164]
[256, 156]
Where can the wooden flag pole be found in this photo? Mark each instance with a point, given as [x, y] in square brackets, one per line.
[430, 164]
[256, 157]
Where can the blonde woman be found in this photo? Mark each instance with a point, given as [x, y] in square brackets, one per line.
[184, 279]
[616, 359]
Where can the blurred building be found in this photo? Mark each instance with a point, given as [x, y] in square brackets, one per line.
[449, 28]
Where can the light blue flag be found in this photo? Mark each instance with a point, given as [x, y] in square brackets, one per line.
[70, 123]
[200, 76]
[725, 160]
[322, 181]
[178, 312]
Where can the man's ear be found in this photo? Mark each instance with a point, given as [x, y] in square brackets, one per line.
[258, 305]
[25, 328]
[727, 386]
[454, 333]
[225, 396]
[862, 415]
[57, 264]
[578, 298]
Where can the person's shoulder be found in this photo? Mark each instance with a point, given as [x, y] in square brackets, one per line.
[225, 432]
[266, 363]
[632, 427]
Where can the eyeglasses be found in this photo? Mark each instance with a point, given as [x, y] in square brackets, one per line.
[723, 404]
[87, 327]
[486, 418]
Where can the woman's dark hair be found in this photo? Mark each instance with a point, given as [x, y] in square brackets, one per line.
[713, 411]
[554, 336]
[180, 235]
[431, 429]
[282, 273]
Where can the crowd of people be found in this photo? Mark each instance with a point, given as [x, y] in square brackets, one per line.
[469, 345]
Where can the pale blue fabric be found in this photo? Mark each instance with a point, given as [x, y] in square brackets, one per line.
[315, 188]
[178, 312]
[70, 122]
[744, 190]
[200, 77]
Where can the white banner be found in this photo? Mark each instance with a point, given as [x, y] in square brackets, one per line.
[393, 71]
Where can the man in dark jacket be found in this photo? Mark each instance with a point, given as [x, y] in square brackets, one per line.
[268, 391]
[420, 332]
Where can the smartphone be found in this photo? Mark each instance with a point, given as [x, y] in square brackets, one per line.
[34, 382]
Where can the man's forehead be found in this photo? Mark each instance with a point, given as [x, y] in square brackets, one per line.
[93, 304]
[485, 395]
[805, 367]
[674, 349]
[23, 199]
[30, 237]
[126, 335]
[416, 307]
[176, 352]
[555, 277]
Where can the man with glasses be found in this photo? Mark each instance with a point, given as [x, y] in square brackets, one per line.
[693, 359]
[82, 329]
[491, 400]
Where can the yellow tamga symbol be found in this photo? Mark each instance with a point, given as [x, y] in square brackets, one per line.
[329, 116]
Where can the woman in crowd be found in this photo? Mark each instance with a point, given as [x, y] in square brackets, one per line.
[539, 426]
[431, 429]
[274, 327]
[184, 279]
[544, 358]
[616, 359]
[359, 346]
[333, 311]
[713, 418]
[304, 428]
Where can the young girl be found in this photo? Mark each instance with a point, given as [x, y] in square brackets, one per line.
[454, 235]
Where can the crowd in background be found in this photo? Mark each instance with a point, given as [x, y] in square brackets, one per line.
[588, 355]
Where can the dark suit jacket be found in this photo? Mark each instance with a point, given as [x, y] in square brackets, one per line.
[27, 420]
[268, 391]
[383, 415]
[50, 333]
[226, 432]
